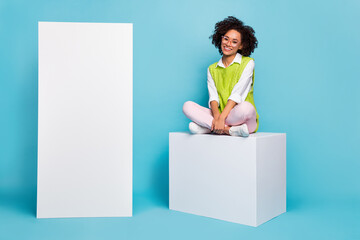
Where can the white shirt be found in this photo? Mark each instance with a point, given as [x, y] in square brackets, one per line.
[241, 88]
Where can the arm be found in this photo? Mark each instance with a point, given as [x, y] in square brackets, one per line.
[215, 112]
[213, 94]
[215, 109]
[229, 105]
[242, 87]
[213, 98]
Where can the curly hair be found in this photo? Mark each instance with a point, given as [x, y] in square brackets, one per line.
[248, 38]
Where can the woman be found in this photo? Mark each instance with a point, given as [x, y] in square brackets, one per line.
[230, 84]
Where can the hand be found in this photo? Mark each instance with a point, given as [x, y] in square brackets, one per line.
[218, 126]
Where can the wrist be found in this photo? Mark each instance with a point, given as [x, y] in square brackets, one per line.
[221, 117]
[216, 115]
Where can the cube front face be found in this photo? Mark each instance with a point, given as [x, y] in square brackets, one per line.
[241, 180]
[213, 176]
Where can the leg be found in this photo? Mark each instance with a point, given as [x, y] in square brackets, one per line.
[198, 114]
[243, 113]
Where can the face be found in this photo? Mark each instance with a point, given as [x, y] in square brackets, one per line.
[231, 42]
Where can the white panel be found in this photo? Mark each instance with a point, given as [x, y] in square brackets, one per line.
[85, 120]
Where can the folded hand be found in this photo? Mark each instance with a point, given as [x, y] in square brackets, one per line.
[218, 126]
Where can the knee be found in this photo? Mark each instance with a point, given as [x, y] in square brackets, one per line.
[246, 110]
[249, 109]
[187, 107]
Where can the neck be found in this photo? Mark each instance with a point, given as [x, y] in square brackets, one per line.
[227, 59]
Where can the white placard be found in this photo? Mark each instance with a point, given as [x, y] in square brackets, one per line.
[85, 120]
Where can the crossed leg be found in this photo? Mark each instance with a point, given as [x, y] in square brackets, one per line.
[243, 112]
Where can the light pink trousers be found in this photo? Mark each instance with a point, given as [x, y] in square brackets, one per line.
[243, 112]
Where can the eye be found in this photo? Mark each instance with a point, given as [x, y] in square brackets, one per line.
[235, 43]
[226, 38]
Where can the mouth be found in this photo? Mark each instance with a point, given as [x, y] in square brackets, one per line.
[227, 49]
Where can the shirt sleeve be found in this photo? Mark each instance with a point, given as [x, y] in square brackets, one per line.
[242, 87]
[213, 94]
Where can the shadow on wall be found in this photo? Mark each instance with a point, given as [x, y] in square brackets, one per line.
[161, 177]
[27, 147]
[23, 202]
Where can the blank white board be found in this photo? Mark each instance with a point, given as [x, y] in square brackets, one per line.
[85, 120]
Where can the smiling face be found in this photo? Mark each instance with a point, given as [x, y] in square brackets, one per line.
[231, 42]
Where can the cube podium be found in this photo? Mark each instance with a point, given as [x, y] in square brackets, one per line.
[241, 180]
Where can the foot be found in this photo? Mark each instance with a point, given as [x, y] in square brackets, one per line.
[241, 130]
[197, 129]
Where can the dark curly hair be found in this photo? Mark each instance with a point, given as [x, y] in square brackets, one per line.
[248, 38]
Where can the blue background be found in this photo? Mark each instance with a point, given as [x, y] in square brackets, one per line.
[306, 84]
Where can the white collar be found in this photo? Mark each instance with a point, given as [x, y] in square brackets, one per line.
[237, 59]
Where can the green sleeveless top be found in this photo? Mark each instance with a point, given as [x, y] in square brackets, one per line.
[226, 78]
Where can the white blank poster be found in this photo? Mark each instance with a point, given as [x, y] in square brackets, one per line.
[85, 120]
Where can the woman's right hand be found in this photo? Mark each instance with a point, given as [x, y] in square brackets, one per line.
[218, 125]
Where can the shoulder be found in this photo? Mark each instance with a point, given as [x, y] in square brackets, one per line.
[248, 62]
[212, 66]
[248, 59]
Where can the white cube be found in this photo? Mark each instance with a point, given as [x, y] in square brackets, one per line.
[241, 180]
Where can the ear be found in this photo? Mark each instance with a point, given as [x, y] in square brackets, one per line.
[240, 47]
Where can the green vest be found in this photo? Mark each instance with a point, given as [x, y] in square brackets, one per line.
[225, 80]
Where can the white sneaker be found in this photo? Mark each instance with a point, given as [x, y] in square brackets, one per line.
[197, 129]
[241, 131]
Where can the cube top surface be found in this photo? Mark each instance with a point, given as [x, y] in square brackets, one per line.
[252, 135]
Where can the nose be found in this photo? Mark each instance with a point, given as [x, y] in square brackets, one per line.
[228, 43]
